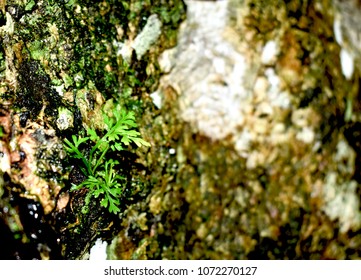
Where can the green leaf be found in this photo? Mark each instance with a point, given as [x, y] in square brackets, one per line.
[88, 197]
[91, 182]
[117, 146]
[132, 133]
[113, 137]
[140, 142]
[93, 135]
[108, 121]
[113, 205]
[103, 145]
[98, 192]
[75, 187]
[125, 139]
[78, 141]
[113, 208]
[116, 191]
[69, 147]
[130, 122]
[102, 180]
[104, 202]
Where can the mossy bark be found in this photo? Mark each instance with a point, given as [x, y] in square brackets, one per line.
[261, 168]
[62, 63]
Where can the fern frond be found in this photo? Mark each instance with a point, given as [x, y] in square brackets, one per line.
[102, 180]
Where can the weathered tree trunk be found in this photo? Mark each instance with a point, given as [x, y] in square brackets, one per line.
[62, 63]
[260, 151]
[251, 110]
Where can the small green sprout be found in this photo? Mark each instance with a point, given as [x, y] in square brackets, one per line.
[102, 179]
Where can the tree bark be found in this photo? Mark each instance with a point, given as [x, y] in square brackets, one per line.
[251, 109]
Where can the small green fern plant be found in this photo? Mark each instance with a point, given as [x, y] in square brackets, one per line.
[102, 179]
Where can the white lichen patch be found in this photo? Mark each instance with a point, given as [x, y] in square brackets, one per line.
[306, 135]
[255, 159]
[341, 202]
[347, 34]
[230, 90]
[143, 41]
[347, 28]
[243, 142]
[9, 26]
[65, 119]
[208, 71]
[269, 53]
[337, 29]
[157, 99]
[148, 36]
[59, 89]
[165, 60]
[124, 49]
[345, 158]
[347, 63]
[303, 120]
[276, 97]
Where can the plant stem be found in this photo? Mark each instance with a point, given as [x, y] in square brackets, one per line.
[99, 161]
